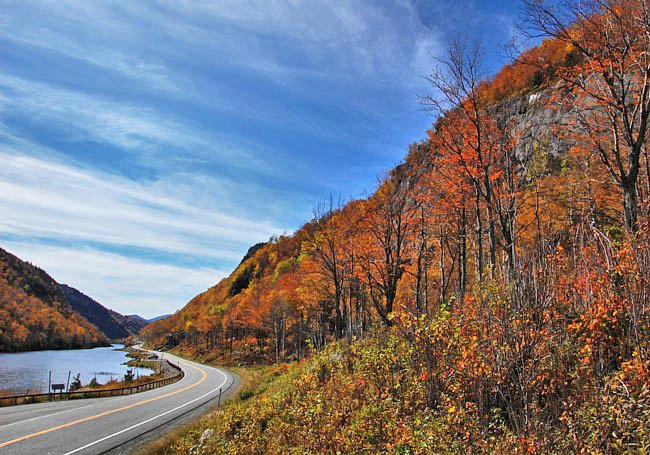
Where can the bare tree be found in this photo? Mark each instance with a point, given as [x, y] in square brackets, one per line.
[326, 246]
[478, 143]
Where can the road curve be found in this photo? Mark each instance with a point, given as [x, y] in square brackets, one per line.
[98, 425]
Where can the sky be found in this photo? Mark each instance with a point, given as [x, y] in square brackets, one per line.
[144, 146]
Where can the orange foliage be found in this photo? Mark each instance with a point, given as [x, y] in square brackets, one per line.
[34, 314]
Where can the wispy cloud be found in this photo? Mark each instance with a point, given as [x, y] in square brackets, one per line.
[45, 199]
[144, 130]
[279, 38]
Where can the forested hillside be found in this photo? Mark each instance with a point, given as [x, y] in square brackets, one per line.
[426, 235]
[491, 295]
[112, 324]
[34, 313]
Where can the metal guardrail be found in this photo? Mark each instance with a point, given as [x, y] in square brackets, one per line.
[12, 400]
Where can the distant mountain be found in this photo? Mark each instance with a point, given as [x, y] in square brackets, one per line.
[113, 324]
[147, 321]
[35, 314]
[137, 317]
[158, 318]
[134, 324]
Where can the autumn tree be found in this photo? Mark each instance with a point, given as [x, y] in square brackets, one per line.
[477, 146]
[386, 225]
[438, 241]
[456, 81]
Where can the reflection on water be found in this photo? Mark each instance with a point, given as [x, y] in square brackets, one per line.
[29, 370]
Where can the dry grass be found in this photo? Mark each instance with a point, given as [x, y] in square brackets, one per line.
[8, 393]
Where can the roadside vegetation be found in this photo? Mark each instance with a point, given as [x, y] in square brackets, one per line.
[370, 397]
[126, 382]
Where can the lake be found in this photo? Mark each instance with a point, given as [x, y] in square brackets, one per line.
[29, 370]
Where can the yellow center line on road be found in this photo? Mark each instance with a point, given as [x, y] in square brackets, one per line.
[113, 411]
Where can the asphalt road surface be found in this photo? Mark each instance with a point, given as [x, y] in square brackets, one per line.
[101, 425]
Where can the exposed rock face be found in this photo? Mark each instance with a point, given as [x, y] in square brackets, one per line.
[200, 447]
[534, 119]
[207, 434]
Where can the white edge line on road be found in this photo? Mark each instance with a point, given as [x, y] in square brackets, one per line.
[144, 422]
[46, 415]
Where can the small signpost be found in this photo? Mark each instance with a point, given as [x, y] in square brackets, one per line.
[59, 387]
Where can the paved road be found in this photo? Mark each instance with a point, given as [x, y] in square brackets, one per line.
[99, 425]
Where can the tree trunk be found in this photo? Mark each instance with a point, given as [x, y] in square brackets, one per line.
[493, 242]
[462, 266]
[479, 239]
[630, 206]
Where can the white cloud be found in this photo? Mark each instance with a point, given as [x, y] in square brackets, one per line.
[54, 213]
[359, 59]
[151, 136]
[82, 116]
[341, 40]
[45, 199]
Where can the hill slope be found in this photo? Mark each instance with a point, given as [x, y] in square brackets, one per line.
[491, 296]
[295, 292]
[34, 313]
[111, 323]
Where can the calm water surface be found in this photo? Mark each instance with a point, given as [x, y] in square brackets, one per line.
[30, 370]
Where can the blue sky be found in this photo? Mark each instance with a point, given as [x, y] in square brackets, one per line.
[145, 145]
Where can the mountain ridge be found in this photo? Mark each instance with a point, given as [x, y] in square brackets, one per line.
[91, 324]
[34, 312]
